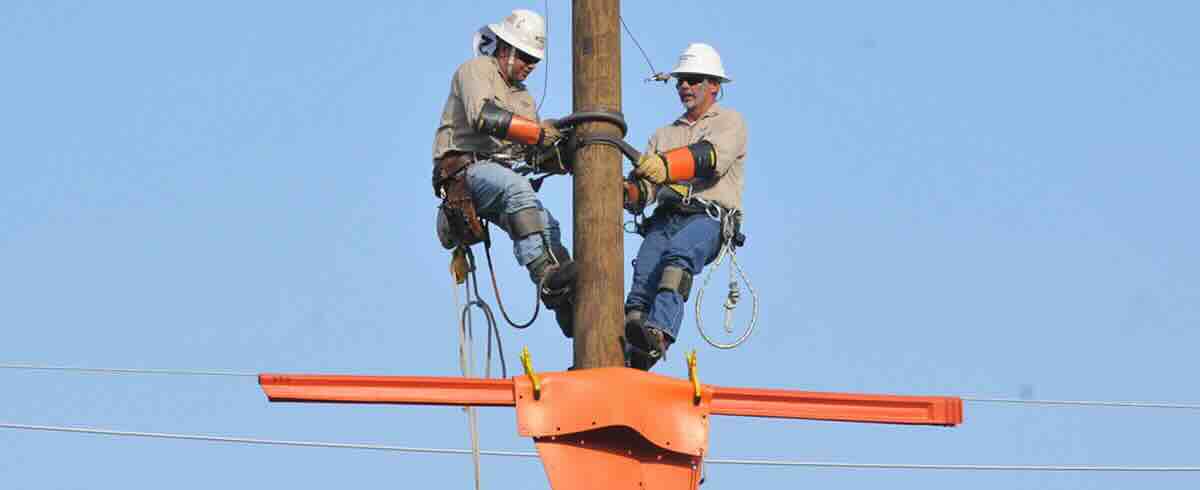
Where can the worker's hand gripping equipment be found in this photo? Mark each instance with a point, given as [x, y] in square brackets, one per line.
[500, 123]
[638, 193]
[695, 161]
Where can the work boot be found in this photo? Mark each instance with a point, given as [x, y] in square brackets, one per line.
[556, 286]
[646, 343]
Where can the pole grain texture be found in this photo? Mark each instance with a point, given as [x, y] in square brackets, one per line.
[598, 239]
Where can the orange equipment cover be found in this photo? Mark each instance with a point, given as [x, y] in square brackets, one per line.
[748, 402]
[411, 390]
[597, 429]
[615, 427]
[614, 457]
[658, 408]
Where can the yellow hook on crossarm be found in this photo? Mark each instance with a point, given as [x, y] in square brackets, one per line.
[527, 362]
[693, 377]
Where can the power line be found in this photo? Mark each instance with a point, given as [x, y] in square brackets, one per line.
[654, 75]
[1085, 403]
[530, 454]
[546, 71]
[263, 442]
[178, 372]
[190, 372]
[962, 467]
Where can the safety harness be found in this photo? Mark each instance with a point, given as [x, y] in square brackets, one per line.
[679, 198]
[460, 226]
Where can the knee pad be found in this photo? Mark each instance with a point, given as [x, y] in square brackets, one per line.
[525, 222]
[676, 278]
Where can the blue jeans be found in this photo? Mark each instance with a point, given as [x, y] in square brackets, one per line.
[499, 192]
[689, 241]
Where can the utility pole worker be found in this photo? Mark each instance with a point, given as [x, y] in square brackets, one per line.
[693, 168]
[488, 122]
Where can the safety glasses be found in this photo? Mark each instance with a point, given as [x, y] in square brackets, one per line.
[526, 58]
[692, 80]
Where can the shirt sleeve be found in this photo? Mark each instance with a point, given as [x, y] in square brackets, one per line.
[728, 137]
[474, 88]
[652, 145]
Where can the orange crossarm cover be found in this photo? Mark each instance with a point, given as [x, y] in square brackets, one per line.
[846, 407]
[749, 402]
[659, 408]
[416, 390]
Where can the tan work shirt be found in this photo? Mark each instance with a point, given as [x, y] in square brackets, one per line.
[725, 129]
[474, 82]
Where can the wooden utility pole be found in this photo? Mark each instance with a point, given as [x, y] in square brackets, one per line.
[599, 246]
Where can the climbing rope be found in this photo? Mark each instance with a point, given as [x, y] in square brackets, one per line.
[466, 366]
[729, 244]
[466, 355]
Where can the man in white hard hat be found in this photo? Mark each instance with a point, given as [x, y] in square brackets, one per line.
[488, 122]
[693, 168]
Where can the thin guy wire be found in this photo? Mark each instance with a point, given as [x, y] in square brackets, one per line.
[181, 372]
[1085, 403]
[266, 442]
[187, 372]
[546, 72]
[653, 72]
[969, 467]
[529, 454]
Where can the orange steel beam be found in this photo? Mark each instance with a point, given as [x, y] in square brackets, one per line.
[409, 390]
[844, 407]
[747, 402]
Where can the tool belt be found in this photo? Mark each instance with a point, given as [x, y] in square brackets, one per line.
[731, 220]
[458, 224]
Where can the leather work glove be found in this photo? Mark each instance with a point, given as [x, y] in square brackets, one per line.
[637, 194]
[550, 134]
[652, 167]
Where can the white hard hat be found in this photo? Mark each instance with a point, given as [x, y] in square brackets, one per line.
[701, 59]
[524, 30]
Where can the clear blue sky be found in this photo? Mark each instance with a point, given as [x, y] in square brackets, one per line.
[947, 198]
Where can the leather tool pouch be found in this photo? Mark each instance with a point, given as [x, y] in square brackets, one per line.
[457, 223]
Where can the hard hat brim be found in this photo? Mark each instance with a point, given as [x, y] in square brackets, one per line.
[719, 78]
[502, 32]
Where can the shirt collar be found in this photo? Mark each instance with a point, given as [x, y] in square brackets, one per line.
[713, 111]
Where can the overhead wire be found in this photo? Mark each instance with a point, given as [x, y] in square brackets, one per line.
[176, 372]
[531, 454]
[1087, 403]
[952, 467]
[265, 442]
[546, 71]
[476, 451]
[192, 372]
[654, 74]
